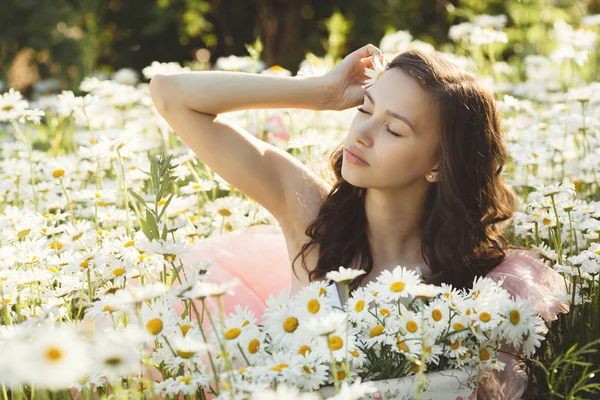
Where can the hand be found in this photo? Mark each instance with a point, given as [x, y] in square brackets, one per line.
[345, 82]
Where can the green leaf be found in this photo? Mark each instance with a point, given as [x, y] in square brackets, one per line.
[165, 206]
[152, 226]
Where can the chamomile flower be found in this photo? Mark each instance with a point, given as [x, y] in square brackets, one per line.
[157, 317]
[534, 338]
[455, 347]
[326, 324]
[379, 66]
[314, 371]
[357, 305]
[398, 283]
[519, 318]
[486, 317]
[311, 301]
[437, 315]
[282, 326]
[345, 275]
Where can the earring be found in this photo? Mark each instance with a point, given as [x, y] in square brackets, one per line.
[430, 176]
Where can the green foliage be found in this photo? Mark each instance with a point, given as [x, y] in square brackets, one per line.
[161, 185]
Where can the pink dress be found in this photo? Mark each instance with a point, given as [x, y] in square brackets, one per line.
[258, 257]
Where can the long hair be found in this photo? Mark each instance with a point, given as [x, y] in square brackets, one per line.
[461, 237]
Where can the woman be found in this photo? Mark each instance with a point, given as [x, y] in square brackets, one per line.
[417, 177]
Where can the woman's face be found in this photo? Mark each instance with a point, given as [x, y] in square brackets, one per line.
[396, 103]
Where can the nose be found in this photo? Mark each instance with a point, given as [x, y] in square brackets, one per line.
[364, 133]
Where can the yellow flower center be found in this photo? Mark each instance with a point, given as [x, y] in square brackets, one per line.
[232, 333]
[354, 353]
[184, 329]
[397, 287]
[335, 342]
[118, 271]
[185, 354]
[224, 212]
[154, 326]
[341, 375]
[58, 173]
[485, 316]
[322, 292]
[129, 244]
[436, 315]
[385, 312]
[185, 379]
[515, 317]
[454, 345]
[359, 306]
[458, 326]
[304, 350]
[376, 331]
[313, 306]
[253, 346]
[54, 354]
[412, 326]
[402, 345]
[279, 367]
[484, 354]
[290, 324]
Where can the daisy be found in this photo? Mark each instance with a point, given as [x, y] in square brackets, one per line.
[397, 283]
[201, 290]
[485, 318]
[437, 315]
[534, 338]
[379, 66]
[314, 372]
[282, 326]
[377, 332]
[326, 324]
[455, 347]
[486, 353]
[201, 185]
[311, 301]
[157, 316]
[459, 325]
[187, 384]
[304, 345]
[114, 357]
[357, 305]
[344, 275]
[53, 358]
[519, 319]
[12, 105]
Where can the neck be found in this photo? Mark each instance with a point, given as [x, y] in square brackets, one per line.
[394, 224]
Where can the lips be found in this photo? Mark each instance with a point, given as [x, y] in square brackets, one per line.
[356, 154]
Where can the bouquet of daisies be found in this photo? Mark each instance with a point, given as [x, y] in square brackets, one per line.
[394, 327]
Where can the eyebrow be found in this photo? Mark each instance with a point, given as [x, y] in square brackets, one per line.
[392, 113]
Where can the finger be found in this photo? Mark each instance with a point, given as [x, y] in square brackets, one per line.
[371, 50]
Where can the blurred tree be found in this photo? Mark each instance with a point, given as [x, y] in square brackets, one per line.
[72, 38]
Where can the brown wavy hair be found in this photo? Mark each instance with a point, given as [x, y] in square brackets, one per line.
[461, 237]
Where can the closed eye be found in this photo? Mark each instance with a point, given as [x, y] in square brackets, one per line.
[386, 128]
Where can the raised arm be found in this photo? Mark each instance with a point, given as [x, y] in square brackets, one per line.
[217, 92]
[191, 103]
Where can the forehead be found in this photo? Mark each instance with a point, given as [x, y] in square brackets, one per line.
[397, 91]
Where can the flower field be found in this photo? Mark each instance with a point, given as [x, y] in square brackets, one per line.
[101, 202]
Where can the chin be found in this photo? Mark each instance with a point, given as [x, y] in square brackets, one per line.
[351, 178]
